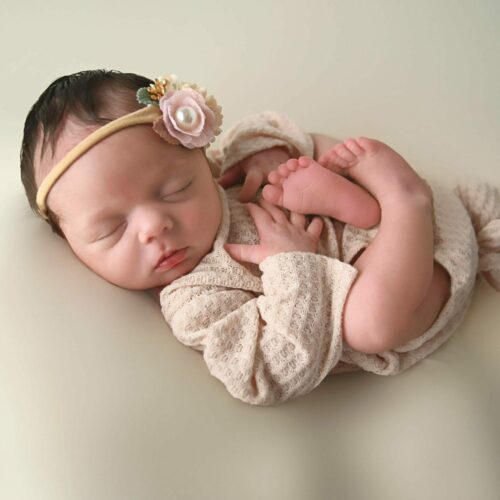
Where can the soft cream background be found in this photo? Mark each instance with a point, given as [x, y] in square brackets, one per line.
[98, 400]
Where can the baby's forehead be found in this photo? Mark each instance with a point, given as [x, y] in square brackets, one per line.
[70, 133]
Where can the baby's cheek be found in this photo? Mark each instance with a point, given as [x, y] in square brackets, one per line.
[199, 219]
[190, 216]
[120, 259]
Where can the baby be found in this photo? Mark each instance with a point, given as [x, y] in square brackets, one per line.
[275, 299]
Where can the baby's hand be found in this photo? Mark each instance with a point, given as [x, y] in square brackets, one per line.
[277, 234]
[256, 168]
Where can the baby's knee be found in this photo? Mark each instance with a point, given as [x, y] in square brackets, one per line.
[373, 319]
[371, 332]
[375, 327]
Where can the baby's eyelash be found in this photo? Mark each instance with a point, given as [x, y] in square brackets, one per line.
[110, 233]
[179, 191]
[185, 187]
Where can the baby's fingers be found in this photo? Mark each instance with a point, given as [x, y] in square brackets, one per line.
[276, 213]
[328, 161]
[260, 216]
[231, 176]
[298, 220]
[253, 181]
[315, 227]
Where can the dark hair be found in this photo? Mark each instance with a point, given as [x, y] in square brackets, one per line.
[93, 97]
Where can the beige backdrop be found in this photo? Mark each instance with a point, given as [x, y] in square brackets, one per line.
[97, 398]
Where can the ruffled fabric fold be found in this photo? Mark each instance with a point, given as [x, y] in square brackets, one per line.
[483, 205]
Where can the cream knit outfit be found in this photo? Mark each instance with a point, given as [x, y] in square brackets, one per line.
[273, 331]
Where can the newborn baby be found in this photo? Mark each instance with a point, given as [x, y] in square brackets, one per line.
[275, 299]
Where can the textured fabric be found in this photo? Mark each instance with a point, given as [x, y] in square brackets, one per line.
[273, 332]
[483, 205]
[256, 133]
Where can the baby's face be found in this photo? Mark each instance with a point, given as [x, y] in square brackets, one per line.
[131, 199]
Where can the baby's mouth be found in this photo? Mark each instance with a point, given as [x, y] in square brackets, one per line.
[170, 259]
[164, 256]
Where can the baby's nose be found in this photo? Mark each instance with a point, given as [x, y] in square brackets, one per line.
[151, 223]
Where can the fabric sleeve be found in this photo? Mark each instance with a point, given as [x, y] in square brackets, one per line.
[256, 133]
[276, 346]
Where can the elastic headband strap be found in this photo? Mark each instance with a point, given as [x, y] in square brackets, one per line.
[143, 116]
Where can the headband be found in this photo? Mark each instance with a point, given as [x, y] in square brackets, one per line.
[180, 112]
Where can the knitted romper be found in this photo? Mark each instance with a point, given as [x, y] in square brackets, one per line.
[273, 331]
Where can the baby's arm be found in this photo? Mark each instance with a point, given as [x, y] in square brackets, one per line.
[271, 347]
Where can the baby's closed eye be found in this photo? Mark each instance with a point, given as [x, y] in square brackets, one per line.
[108, 233]
[178, 190]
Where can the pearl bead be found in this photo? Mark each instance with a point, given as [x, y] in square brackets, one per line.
[186, 115]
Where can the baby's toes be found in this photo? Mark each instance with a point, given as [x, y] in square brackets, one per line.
[305, 161]
[284, 170]
[324, 158]
[332, 158]
[371, 146]
[292, 164]
[275, 177]
[355, 146]
[344, 153]
[273, 194]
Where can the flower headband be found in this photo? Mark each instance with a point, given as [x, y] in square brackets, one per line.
[180, 112]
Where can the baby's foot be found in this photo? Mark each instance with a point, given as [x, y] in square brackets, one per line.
[377, 167]
[304, 186]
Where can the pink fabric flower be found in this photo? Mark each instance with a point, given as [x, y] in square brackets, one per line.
[187, 117]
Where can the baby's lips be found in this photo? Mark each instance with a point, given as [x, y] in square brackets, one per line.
[163, 256]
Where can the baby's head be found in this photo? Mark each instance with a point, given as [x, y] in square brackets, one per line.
[132, 197]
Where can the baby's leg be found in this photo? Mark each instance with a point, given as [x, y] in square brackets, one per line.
[399, 290]
[305, 187]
